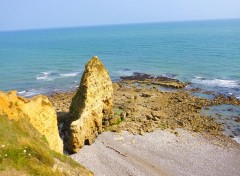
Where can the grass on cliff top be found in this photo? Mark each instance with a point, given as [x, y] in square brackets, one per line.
[24, 150]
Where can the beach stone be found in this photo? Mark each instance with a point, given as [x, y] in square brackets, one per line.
[146, 95]
[106, 123]
[128, 113]
[149, 117]
[116, 86]
[38, 111]
[90, 104]
[142, 132]
[123, 115]
[157, 114]
[155, 119]
[237, 119]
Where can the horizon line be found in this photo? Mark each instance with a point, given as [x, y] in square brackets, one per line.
[115, 24]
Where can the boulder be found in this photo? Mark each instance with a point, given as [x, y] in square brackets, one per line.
[90, 104]
[38, 111]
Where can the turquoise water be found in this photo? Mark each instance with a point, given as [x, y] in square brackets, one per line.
[227, 115]
[206, 53]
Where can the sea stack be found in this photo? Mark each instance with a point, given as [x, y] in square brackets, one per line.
[91, 103]
[38, 111]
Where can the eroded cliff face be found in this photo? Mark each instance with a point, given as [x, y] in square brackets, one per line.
[37, 110]
[90, 104]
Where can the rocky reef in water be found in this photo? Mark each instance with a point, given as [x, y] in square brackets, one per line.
[139, 106]
[144, 78]
[136, 104]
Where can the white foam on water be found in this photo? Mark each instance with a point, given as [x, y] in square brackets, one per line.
[52, 75]
[42, 78]
[217, 82]
[169, 75]
[69, 74]
[46, 73]
[30, 94]
[198, 77]
[237, 139]
[22, 92]
[48, 76]
[125, 72]
[33, 92]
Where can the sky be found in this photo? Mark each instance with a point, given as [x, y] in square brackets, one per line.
[35, 14]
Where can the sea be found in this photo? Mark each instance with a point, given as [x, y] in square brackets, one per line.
[204, 53]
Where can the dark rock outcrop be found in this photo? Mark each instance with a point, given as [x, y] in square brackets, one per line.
[154, 80]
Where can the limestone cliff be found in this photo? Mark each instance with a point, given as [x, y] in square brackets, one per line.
[38, 110]
[91, 103]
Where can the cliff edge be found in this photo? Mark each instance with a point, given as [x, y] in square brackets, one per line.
[38, 111]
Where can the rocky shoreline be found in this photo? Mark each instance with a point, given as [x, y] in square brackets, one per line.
[137, 105]
[148, 79]
[154, 130]
[140, 107]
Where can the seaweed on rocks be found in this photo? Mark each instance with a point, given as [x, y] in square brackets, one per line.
[152, 79]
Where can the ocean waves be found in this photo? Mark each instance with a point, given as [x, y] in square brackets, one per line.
[47, 90]
[33, 92]
[55, 63]
[223, 86]
[233, 84]
[52, 75]
[48, 82]
[124, 72]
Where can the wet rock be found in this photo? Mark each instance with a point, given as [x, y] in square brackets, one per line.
[152, 79]
[221, 99]
[237, 119]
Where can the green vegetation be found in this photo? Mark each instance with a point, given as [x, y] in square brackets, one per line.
[23, 149]
[116, 121]
[116, 118]
[119, 112]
